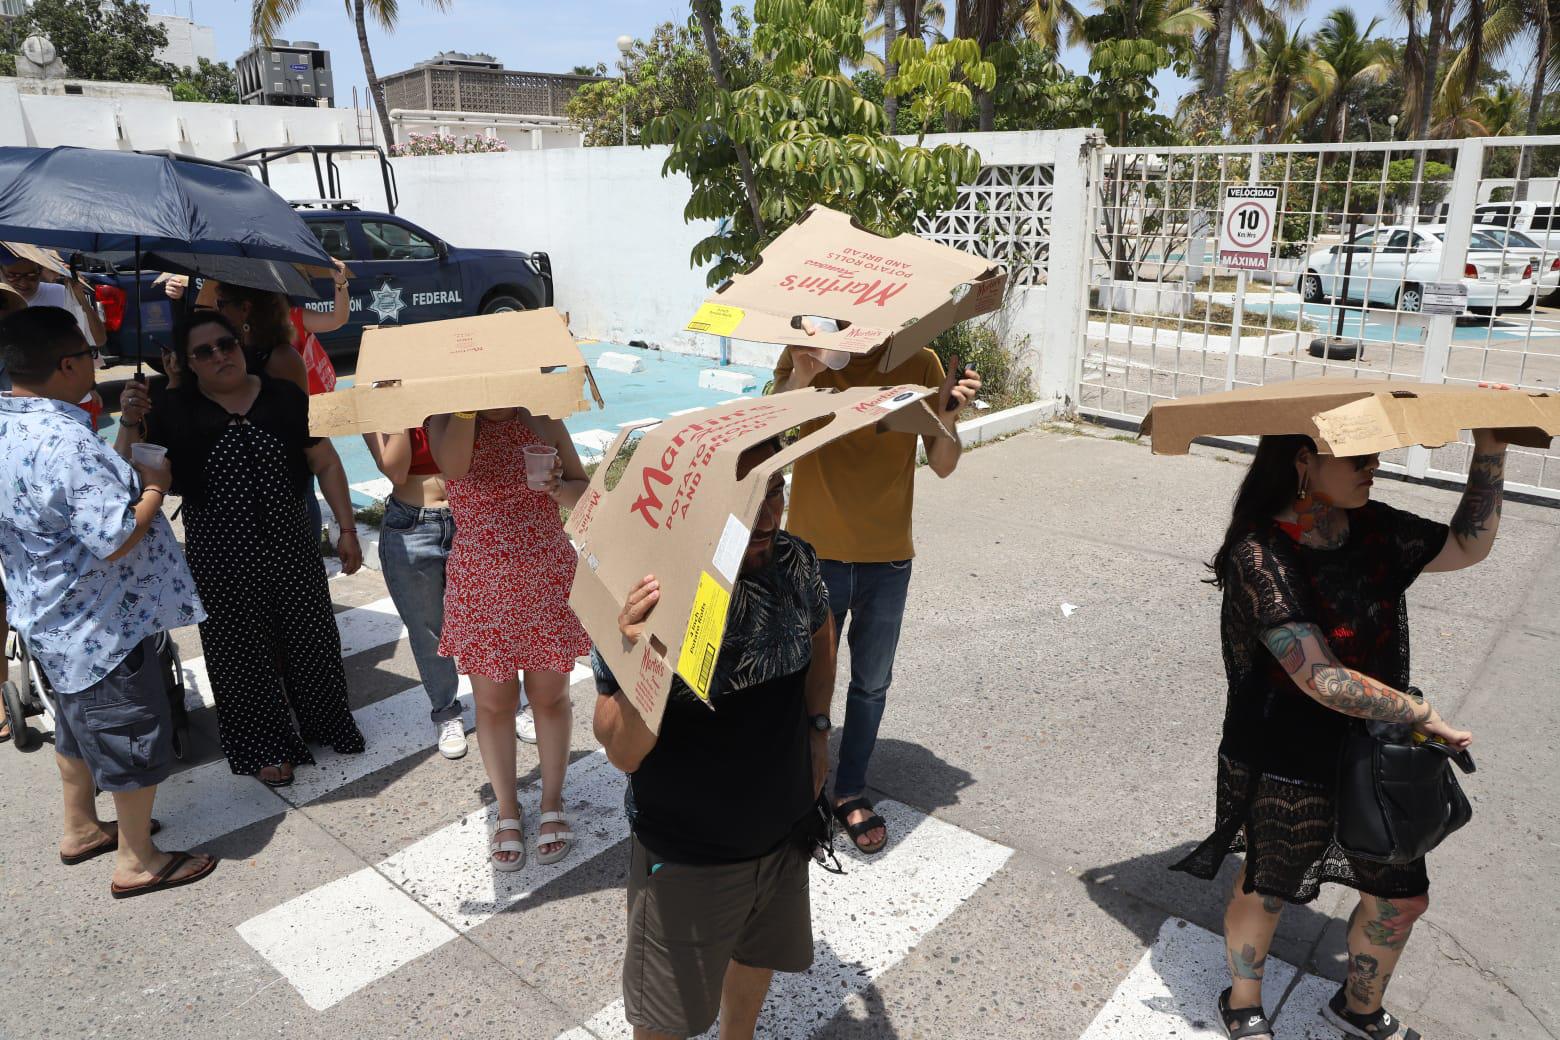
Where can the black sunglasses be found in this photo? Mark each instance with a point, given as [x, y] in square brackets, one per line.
[1364, 462]
[207, 351]
[93, 351]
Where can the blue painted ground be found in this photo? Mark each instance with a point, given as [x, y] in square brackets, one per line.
[668, 383]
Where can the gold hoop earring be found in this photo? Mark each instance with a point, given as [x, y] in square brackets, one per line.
[1304, 491]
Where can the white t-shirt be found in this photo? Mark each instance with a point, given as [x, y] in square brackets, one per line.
[54, 294]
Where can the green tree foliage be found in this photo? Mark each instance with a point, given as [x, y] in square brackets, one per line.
[1132, 41]
[110, 40]
[812, 136]
[210, 81]
[669, 71]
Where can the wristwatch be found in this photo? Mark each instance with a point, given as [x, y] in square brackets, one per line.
[820, 723]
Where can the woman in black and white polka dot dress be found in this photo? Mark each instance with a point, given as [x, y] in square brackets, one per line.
[242, 458]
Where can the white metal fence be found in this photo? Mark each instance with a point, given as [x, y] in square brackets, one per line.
[1361, 230]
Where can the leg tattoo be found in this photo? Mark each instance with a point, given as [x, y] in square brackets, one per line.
[1246, 964]
[1390, 929]
[1363, 969]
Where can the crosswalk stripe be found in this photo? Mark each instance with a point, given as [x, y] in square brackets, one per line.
[864, 923]
[334, 940]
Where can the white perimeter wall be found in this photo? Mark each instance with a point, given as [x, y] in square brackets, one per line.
[207, 131]
[614, 228]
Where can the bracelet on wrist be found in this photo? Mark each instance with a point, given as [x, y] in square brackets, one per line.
[349, 530]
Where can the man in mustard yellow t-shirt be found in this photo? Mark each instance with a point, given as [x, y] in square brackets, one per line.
[851, 500]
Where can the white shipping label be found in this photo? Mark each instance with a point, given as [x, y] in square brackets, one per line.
[728, 553]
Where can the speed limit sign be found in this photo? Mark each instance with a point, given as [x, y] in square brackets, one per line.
[1246, 227]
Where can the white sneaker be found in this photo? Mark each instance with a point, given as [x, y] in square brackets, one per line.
[452, 738]
[525, 725]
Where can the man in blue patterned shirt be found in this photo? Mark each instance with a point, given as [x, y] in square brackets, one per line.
[93, 574]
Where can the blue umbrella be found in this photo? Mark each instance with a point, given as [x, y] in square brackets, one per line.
[167, 213]
[88, 200]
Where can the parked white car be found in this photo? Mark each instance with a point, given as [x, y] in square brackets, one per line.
[1545, 259]
[1392, 263]
[1539, 221]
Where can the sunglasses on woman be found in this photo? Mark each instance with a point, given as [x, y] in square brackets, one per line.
[207, 351]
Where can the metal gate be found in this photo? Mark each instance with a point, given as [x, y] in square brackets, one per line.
[1361, 231]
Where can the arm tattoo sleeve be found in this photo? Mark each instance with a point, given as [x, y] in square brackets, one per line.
[1286, 644]
[1480, 505]
[1345, 690]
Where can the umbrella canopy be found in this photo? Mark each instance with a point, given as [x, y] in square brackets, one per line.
[105, 203]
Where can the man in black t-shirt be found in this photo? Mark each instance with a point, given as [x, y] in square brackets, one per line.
[719, 800]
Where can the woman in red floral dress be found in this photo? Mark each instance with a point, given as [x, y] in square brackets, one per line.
[506, 604]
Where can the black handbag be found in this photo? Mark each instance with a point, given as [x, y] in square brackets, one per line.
[1397, 799]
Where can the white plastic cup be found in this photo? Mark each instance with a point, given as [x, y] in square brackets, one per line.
[835, 359]
[539, 465]
[143, 454]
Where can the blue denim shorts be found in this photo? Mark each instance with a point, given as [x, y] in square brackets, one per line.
[121, 726]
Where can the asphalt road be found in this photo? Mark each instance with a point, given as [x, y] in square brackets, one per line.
[1048, 750]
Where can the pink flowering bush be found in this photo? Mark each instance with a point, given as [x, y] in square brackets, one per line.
[448, 144]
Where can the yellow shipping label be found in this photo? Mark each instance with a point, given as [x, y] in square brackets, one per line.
[717, 319]
[701, 643]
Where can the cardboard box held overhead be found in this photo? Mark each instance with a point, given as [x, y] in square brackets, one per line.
[1351, 417]
[407, 373]
[901, 291]
[678, 511]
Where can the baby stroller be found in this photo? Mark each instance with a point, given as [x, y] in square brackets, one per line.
[27, 693]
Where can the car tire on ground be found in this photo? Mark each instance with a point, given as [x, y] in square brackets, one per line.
[1410, 298]
[1311, 287]
[501, 303]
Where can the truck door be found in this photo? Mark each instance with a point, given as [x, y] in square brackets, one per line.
[406, 272]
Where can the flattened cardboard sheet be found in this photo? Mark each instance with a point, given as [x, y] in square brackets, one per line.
[679, 512]
[406, 373]
[1355, 417]
[902, 291]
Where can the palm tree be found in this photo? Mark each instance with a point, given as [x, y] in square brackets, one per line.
[267, 16]
[1051, 23]
[1281, 64]
[1510, 22]
[1422, 58]
[1499, 114]
[1353, 60]
[884, 19]
[1248, 19]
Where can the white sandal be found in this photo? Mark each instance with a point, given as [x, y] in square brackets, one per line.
[495, 847]
[563, 837]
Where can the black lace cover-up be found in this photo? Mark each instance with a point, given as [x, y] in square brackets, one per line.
[1278, 758]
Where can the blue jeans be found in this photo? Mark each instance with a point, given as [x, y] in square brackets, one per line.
[873, 595]
[413, 545]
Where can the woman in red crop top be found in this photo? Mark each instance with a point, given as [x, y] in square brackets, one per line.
[414, 543]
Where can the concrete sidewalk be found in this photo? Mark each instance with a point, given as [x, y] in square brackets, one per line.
[1041, 771]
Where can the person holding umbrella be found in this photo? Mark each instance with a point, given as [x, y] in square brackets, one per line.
[243, 459]
[1314, 629]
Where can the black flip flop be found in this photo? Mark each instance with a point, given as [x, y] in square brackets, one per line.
[164, 878]
[286, 781]
[856, 830]
[1242, 1022]
[107, 845]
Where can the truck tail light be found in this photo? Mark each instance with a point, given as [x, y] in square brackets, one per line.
[112, 299]
[1469, 271]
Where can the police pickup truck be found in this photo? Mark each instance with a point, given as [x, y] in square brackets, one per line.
[401, 273]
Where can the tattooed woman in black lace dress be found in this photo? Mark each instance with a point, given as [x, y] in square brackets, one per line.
[1315, 635]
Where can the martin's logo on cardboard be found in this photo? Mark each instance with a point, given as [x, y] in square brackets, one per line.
[694, 443]
[680, 512]
[897, 293]
[865, 292]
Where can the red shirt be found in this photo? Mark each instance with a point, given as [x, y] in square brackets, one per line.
[422, 453]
